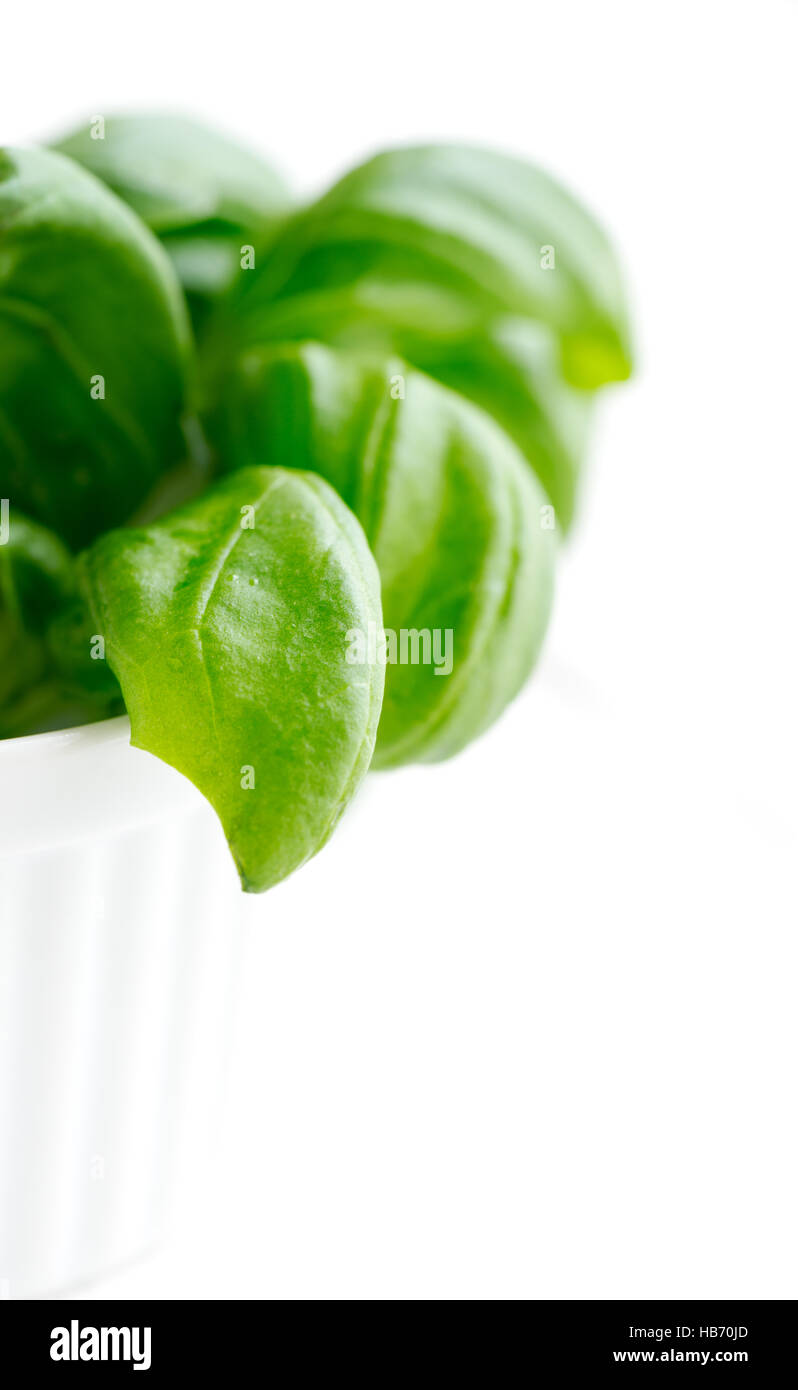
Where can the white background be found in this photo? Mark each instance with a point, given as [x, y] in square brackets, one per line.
[527, 1028]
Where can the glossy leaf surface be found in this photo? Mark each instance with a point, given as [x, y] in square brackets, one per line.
[225, 625]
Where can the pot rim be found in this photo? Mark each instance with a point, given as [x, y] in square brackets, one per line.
[57, 740]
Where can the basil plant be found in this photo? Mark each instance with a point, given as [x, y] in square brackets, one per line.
[284, 481]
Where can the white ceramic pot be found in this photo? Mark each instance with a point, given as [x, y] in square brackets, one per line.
[119, 936]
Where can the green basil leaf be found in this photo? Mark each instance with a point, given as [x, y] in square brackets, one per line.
[36, 694]
[48, 679]
[512, 371]
[225, 624]
[77, 657]
[23, 662]
[36, 579]
[455, 520]
[48, 704]
[94, 349]
[441, 241]
[203, 194]
[478, 269]
[36, 573]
